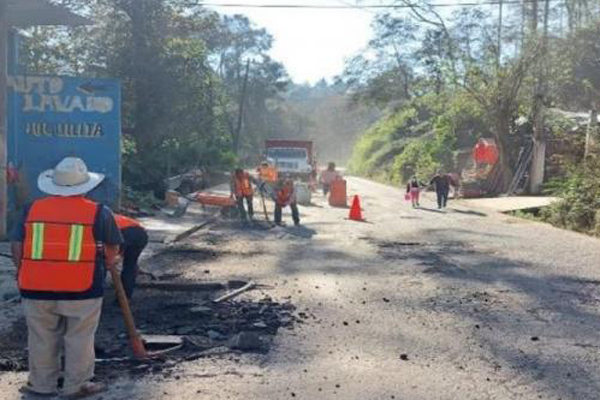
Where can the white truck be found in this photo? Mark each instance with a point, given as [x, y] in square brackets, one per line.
[292, 157]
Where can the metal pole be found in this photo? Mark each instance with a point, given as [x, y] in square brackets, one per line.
[3, 116]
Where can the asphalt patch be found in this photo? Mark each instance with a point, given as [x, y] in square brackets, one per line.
[206, 329]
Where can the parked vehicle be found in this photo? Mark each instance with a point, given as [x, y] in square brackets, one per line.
[293, 157]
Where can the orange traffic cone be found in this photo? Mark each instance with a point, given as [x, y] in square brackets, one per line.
[355, 211]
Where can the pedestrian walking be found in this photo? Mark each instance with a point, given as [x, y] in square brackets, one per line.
[61, 247]
[135, 239]
[441, 183]
[241, 189]
[413, 191]
[285, 196]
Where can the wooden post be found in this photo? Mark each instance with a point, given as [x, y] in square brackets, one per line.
[591, 137]
[3, 116]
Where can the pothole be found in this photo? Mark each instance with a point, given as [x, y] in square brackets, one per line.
[202, 325]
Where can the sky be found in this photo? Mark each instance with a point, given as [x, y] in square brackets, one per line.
[311, 44]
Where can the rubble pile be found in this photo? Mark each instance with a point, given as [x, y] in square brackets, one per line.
[204, 328]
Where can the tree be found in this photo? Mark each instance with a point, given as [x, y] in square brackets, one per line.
[182, 70]
[385, 74]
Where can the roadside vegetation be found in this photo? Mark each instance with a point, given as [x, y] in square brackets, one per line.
[191, 79]
[508, 72]
[579, 190]
[199, 89]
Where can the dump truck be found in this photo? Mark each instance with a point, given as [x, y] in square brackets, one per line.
[295, 158]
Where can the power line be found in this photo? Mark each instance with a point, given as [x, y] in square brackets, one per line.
[356, 6]
[366, 6]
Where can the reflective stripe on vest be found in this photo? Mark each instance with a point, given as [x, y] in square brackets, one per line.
[37, 243]
[75, 242]
[59, 249]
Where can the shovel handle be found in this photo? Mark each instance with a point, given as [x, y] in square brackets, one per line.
[135, 339]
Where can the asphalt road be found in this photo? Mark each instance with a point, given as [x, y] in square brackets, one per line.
[412, 304]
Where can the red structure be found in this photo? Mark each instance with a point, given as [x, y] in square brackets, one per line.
[485, 152]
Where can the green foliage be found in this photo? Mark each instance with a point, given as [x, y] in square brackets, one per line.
[382, 142]
[181, 68]
[419, 139]
[526, 214]
[579, 207]
[424, 156]
[145, 202]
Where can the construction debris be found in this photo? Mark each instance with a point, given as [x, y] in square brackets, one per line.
[193, 230]
[228, 296]
[184, 325]
[184, 286]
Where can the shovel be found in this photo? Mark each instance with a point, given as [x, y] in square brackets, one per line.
[137, 344]
[262, 197]
[161, 343]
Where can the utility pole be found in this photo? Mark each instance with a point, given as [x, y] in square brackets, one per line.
[3, 116]
[499, 42]
[238, 132]
[538, 165]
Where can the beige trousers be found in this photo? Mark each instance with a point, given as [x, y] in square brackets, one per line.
[52, 324]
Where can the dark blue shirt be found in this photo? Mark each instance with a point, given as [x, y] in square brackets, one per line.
[105, 231]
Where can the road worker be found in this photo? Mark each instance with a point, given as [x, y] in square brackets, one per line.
[61, 247]
[285, 196]
[267, 179]
[328, 176]
[267, 173]
[135, 239]
[241, 188]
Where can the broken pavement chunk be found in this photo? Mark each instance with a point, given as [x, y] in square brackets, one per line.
[214, 335]
[202, 310]
[246, 341]
[161, 342]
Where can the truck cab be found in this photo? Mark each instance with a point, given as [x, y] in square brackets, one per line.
[289, 160]
[292, 157]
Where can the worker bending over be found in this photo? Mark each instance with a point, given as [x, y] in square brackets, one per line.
[241, 188]
[62, 247]
[135, 239]
[285, 196]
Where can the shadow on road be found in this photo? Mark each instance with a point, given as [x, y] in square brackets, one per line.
[433, 210]
[537, 328]
[468, 212]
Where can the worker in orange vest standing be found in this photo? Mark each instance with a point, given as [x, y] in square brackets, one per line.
[62, 247]
[135, 239]
[286, 196]
[267, 179]
[241, 188]
[267, 173]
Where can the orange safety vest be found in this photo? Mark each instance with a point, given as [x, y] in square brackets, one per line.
[59, 253]
[243, 187]
[268, 174]
[124, 222]
[284, 195]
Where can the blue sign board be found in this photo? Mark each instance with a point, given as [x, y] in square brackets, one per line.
[54, 117]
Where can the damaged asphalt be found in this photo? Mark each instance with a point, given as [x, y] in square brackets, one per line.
[460, 304]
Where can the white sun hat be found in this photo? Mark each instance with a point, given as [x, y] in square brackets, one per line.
[69, 178]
